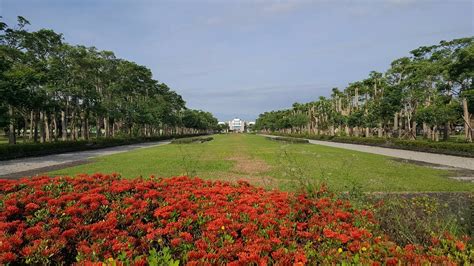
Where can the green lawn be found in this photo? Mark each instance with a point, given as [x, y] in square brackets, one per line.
[274, 164]
[4, 139]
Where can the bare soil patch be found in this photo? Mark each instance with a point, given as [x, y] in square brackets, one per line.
[247, 165]
[260, 181]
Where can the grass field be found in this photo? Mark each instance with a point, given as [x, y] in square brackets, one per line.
[274, 164]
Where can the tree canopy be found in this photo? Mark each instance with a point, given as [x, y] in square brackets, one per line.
[428, 93]
[52, 90]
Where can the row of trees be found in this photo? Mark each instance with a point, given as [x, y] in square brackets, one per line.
[51, 90]
[429, 93]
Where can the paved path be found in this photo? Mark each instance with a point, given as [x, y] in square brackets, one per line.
[440, 159]
[36, 165]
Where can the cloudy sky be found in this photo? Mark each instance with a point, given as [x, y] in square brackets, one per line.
[241, 58]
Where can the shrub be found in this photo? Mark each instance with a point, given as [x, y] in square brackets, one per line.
[20, 150]
[106, 218]
[416, 219]
[444, 147]
[453, 148]
[290, 140]
[191, 140]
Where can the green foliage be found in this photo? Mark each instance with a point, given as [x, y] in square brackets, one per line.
[444, 147]
[413, 219]
[298, 120]
[191, 140]
[20, 150]
[43, 79]
[161, 258]
[199, 120]
[427, 87]
[356, 119]
[438, 113]
[290, 140]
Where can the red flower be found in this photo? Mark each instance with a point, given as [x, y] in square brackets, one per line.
[460, 245]
[300, 258]
[7, 257]
[69, 233]
[12, 210]
[392, 261]
[175, 242]
[186, 236]
[210, 223]
[343, 238]
[329, 233]
[342, 215]
[31, 206]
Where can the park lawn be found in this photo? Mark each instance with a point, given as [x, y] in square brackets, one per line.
[274, 164]
[3, 140]
[19, 139]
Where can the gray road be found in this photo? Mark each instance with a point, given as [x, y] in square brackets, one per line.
[34, 165]
[432, 158]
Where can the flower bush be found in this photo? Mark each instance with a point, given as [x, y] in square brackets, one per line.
[105, 218]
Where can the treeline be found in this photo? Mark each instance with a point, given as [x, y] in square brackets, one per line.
[429, 93]
[51, 90]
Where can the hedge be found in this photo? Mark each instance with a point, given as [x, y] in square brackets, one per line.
[291, 140]
[191, 140]
[20, 150]
[443, 147]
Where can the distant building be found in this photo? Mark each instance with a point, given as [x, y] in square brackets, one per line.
[237, 125]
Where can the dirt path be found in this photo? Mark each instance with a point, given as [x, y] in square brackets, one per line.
[247, 168]
[37, 165]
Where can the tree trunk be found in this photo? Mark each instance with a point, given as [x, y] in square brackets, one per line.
[73, 126]
[395, 124]
[467, 121]
[86, 127]
[26, 126]
[11, 127]
[47, 131]
[35, 135]
[413, 130]
[41, 126]
[106, 127]
[97, 127]
[83, 126]
[55, 126]
[446, 131]
[30, 135]
[426, 130]
[63, 125]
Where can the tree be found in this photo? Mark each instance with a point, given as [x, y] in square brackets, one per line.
[422, 92]
[56, 91]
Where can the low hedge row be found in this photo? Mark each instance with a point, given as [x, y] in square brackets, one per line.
[443, 147]
[291, 140]
[191, 140]
[21, 150]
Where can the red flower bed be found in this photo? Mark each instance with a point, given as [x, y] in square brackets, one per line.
[95, 218]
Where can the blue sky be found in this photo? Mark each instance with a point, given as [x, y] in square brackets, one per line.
[241, 58]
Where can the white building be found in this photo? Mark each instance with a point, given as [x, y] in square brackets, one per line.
[238, 125]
